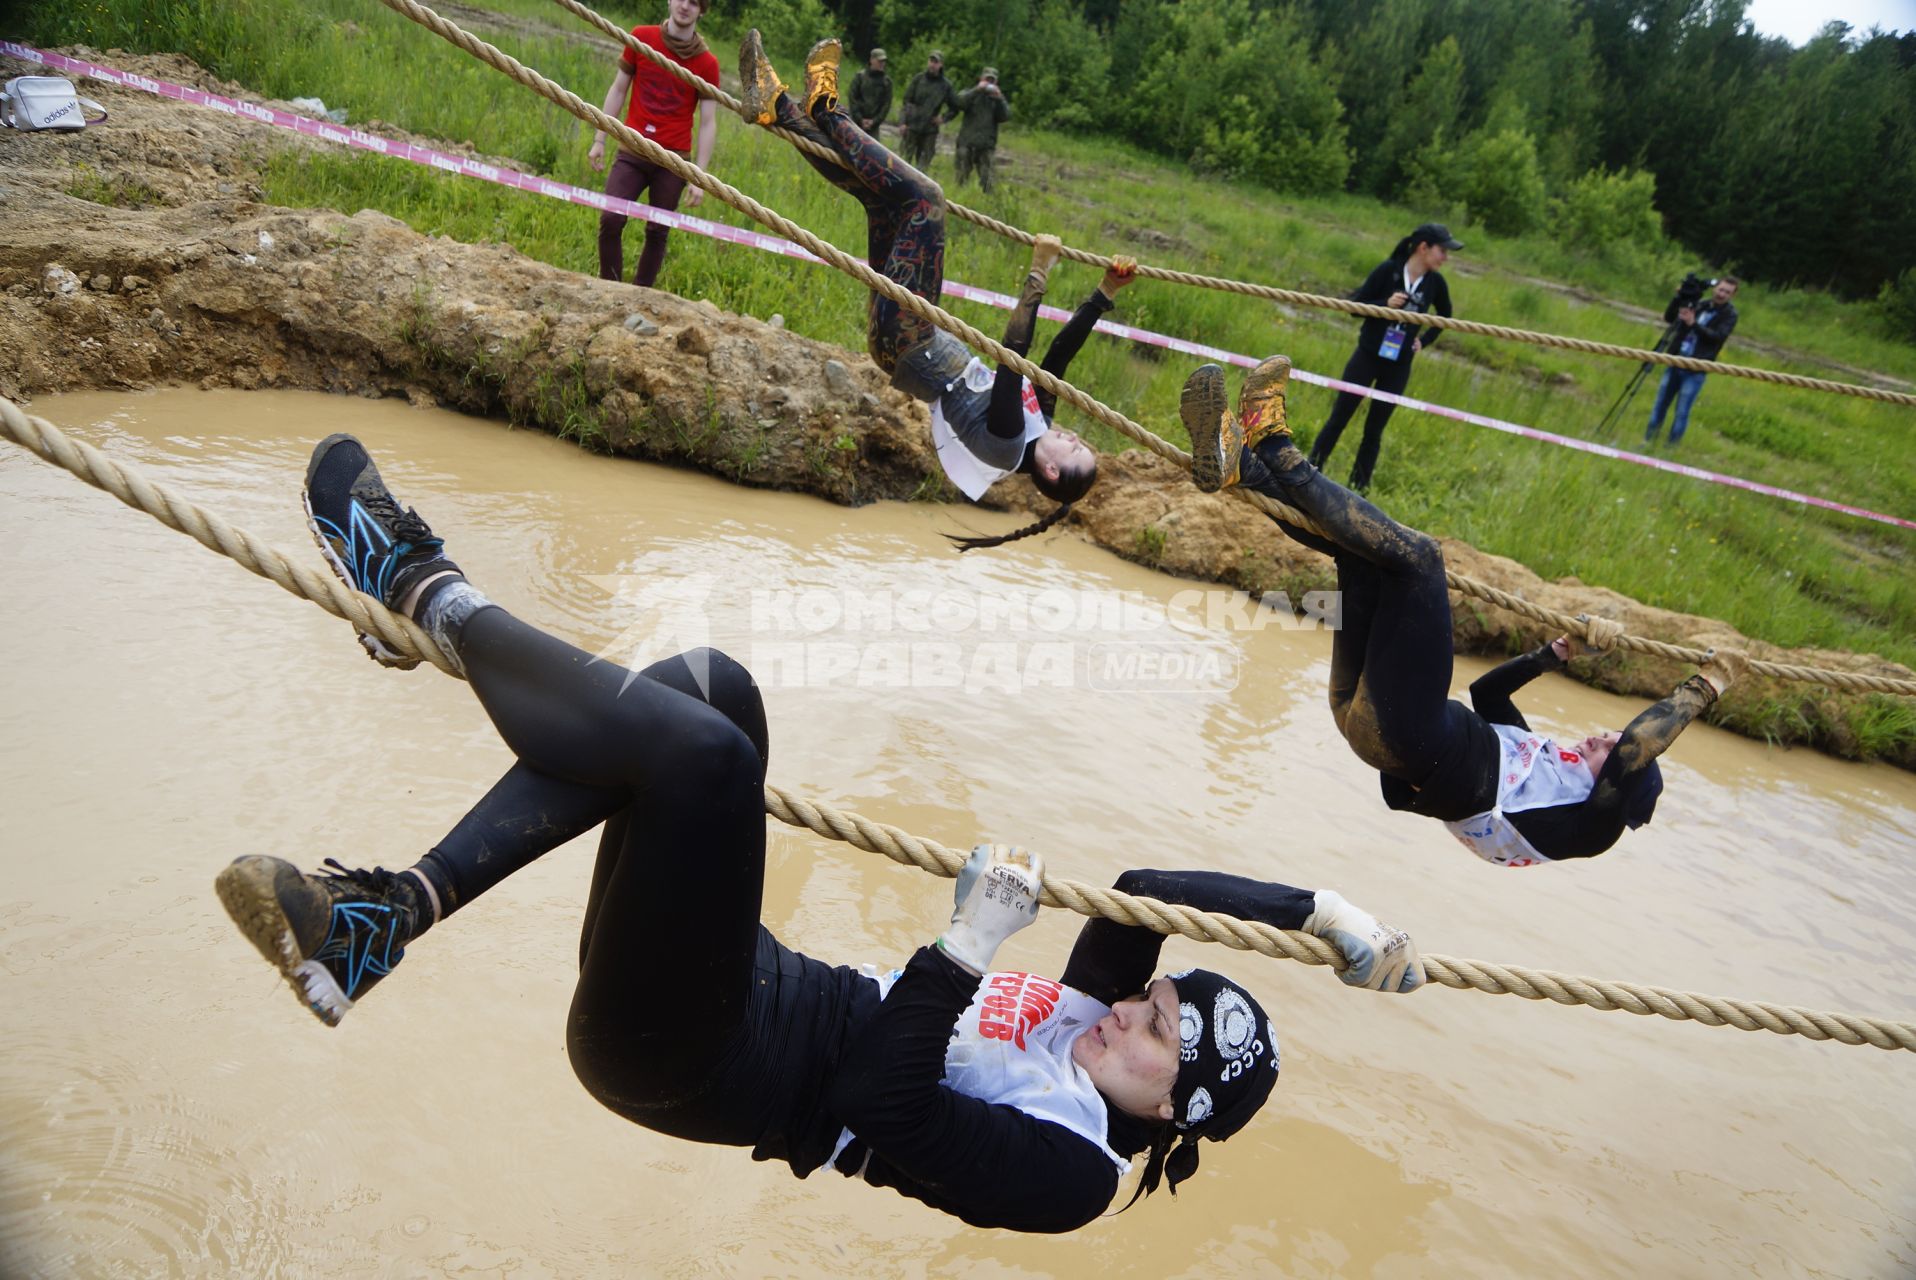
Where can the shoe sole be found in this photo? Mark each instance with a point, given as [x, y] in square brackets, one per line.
[1202, 407]
[246, 891]
[754, 73]
[375, 648]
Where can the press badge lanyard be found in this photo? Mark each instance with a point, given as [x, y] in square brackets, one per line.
[1393, 344]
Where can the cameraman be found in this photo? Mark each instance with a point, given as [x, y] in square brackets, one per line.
[1699, 328]
[1408, 280]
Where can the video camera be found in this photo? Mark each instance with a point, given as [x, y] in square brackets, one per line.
[1690, 292]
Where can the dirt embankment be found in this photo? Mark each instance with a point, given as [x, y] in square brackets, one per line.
[136, 254]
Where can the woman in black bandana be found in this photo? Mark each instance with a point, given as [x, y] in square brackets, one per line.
[1006, 1099]
[986, 424]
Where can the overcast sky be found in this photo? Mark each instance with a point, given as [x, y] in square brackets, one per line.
[1798, 20]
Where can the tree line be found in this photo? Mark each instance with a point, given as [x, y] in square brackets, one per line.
[1597, 121]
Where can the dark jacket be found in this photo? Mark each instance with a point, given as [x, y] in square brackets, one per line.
[983, 114]
[870, 98]
[1466, 783]
[986, 1162]
[1433, 295]
[925, 97]
[1712, 328]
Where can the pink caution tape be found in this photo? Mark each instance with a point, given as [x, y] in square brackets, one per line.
[466, 166]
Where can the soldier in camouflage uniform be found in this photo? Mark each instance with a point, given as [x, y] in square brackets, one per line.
[984, 108]
[928, 94]
[870, 99]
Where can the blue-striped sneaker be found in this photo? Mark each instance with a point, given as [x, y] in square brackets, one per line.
[371, 542]
[332, 936]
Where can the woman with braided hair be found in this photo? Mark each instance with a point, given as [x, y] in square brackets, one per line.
[986, 424]
[1003, 1098]
[1510, 795]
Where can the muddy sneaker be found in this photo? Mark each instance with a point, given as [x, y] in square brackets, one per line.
[332, 936]
[370, 542]
[759, 85]
[1215, 441]
[821, 75]
[1260, 401]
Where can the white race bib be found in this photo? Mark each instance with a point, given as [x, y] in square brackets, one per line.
[1536, 774]
[1012, 1044]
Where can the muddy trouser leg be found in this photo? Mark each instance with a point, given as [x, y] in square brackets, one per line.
[623, 181]
[675, 896]
[1390, 686]
[1392, 376]
[967, 158]
[1359, 370]
[920, 147]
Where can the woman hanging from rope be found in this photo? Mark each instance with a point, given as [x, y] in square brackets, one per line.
[1007, 1099]
[985, 424]
[1512, 796]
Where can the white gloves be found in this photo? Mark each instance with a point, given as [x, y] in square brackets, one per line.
[997, 895]
[1381, 958]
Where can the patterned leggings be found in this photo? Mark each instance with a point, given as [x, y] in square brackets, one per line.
[904, 224]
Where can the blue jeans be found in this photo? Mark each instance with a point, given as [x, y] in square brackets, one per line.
[1682, 384]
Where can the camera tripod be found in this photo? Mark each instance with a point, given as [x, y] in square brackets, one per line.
[1610, 419]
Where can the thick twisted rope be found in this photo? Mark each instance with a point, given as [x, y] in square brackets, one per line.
[366, 613]
[706, 89]
[978, 341]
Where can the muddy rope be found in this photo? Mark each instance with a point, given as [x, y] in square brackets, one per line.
[322, 588]
[1579, 624]
[1290, 296]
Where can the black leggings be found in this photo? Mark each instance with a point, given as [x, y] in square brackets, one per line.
[1365, 368]
[672, 761]
[1391, 657]
[904, 223]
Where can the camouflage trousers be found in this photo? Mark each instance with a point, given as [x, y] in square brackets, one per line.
[977, 160]
[918, 146]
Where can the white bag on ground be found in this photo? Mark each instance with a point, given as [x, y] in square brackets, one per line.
[45, 102]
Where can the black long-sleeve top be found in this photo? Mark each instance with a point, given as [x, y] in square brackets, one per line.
[1432, 295]
[1711, 334]
[1580, 830]
[989, 1163]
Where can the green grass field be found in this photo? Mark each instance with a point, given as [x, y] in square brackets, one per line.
[1775, 570]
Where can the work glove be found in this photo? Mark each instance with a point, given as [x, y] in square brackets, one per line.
[1723, 668]
[1380, 958]
[996, 895]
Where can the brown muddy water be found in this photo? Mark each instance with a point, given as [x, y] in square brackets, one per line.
[167, 1109]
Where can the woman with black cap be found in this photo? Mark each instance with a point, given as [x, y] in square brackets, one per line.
[1004, 1098]
[1510, 795]
[986, 423]
[1410, 281]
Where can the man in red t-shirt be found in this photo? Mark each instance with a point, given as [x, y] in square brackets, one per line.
[659, 107]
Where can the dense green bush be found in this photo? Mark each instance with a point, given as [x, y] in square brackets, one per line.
[1491, 177]
[1602, 210]
[1898, 303]
[1263, 107]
